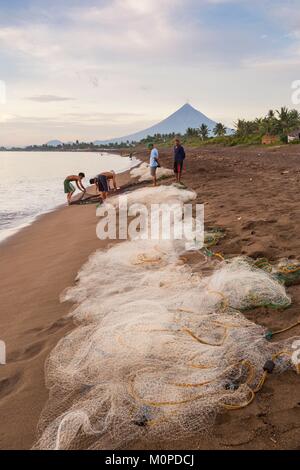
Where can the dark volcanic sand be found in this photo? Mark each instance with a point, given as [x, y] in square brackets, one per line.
[253, 193]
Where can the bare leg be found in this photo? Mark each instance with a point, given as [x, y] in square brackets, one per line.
[69, 197]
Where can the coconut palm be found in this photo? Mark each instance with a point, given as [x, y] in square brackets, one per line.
[219, 130]
[191, 132]
[204, 132]
[245, 128]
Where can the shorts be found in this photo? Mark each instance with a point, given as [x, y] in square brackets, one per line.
[153, 170]
[178, 166]
[68, 187]
[102, 183]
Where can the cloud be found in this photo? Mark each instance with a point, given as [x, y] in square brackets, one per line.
[49, 98]
[128, 61]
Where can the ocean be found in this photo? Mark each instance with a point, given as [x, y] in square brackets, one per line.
[32, 182]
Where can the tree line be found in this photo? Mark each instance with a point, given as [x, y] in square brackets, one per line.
[277, 123]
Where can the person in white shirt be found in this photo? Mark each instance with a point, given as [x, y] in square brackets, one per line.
[154, 162]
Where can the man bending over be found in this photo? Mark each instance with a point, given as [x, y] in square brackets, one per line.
[70, 188]
[101, 184]
[111, 177]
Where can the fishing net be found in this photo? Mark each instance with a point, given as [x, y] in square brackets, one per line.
[158, 350]
[143, 173]
[213, 236]
[286, 271]
[159, 195]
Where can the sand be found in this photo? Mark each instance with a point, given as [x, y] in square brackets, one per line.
[253, 193]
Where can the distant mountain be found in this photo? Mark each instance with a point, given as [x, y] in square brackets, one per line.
[54, 143]
[178, 122]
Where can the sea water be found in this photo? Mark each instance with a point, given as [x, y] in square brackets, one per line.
[32, 182]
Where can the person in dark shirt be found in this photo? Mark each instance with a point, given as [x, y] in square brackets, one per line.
[179, 156]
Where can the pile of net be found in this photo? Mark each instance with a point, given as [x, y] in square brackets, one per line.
[142, 172]
[160, 195]
[158, 350]
[286, 271]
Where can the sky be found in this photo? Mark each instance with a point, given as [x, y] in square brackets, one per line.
[96, 69]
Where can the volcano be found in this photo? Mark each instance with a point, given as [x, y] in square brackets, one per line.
[178, 122]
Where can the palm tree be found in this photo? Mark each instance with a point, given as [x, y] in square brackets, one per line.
[204, 132]
[245, 128]
[191, 132]
[219, 130]
[283, 117]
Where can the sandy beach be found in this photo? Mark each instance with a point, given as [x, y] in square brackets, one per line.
[252, 193]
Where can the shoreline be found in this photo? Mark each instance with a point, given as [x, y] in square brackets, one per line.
[15, 230]
[37, 264]
[41, 260]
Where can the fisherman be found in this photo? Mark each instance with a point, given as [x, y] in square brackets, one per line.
[154, 162]
[111, 177]
[70, 188]
[101, 183]
[179, 156]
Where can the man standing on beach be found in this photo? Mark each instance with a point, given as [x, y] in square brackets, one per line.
[70, 188]
[179, 156]
[154, 162]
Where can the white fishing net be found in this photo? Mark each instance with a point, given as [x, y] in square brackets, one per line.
[142, 172]
[158, 349]
[159, 195]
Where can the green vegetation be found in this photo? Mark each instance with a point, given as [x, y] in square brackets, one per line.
[276, 123]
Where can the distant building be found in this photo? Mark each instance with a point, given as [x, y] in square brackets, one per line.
[295, 135]
[269, 139]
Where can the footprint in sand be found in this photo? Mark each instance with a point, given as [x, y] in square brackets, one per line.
[60, 323]
[27, 353]
[8, 384]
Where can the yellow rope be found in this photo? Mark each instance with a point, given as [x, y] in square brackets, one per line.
[289, 270]
[223, 296]
[261, 382]
[202, 341]
[286, 329]
[244, 363]
[241, 405]
[143, 259]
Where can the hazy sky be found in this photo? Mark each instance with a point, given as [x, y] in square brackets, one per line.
[94, 69]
